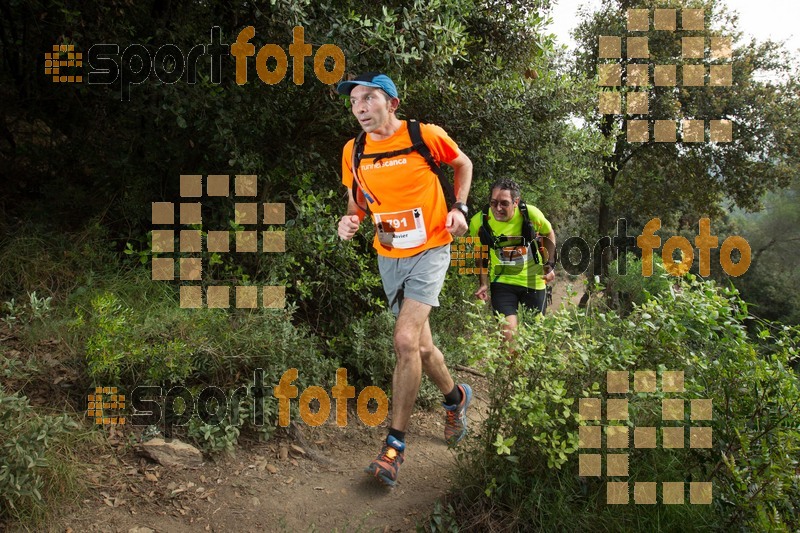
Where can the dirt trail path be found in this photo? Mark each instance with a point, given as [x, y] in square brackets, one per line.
[274, 487]
[560, 291]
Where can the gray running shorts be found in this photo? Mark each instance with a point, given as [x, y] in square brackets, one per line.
[419, 277]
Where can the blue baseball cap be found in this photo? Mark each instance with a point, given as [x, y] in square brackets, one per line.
[370, 79]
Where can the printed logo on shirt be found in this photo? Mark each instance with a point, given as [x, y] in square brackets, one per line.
[389, 163]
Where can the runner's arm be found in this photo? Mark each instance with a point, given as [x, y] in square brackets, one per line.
[349, 224]
[463, 176]
[550, 246]
[483, 279]
[456, 222]
[352, 206]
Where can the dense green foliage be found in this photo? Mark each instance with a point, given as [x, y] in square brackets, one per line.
[461, 64]
[28, 455]
[525, 464]
[482, 69]
[631, 287]
[81, 166]
[680, 182]
[771, 283]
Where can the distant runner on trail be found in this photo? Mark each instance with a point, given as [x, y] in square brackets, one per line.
[517, 270]
[392, 169]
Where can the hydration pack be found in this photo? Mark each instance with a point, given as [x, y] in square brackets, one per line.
[529, 235]
[417, 145]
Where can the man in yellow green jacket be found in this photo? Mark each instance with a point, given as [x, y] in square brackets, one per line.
[517, 271]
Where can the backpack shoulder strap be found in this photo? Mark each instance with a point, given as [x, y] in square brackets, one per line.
[415, 133]
[358, 152]
[485, 233]
[531, 236]
[418, 144]
[527, 227]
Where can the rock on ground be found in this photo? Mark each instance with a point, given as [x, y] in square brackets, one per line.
[172, 452]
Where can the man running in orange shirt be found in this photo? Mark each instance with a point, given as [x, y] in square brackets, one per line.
[414, 228]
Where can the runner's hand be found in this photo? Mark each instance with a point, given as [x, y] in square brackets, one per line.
[456, 223]
[348, 226]
[549, 277]
[482, 293]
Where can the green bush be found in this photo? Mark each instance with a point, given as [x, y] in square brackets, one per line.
[215, 438]
[240, 417]
[25, 462]
[36, 310]
[161, 343]
[36, 259]
[121, 348]
[129, 343]
[632, 287]
[450, 323]
[366, 347]
[329, 280]
[526, 459]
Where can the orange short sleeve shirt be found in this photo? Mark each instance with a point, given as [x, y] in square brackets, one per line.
[409, 208]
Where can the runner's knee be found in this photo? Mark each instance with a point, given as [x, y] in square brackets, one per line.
[406, 343]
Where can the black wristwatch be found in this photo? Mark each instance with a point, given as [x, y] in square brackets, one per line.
[461, 206]
[551, 264]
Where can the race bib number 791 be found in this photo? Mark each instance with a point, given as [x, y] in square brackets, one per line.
[401, 229]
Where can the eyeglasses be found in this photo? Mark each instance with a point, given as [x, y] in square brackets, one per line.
[503, 203]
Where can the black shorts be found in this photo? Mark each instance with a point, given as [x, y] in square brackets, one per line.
[506, 298]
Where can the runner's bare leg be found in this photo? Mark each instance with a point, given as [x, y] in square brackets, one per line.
[411, 334]
[433, 361]
[510, 327]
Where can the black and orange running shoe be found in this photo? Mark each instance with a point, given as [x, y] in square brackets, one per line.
[388, 461]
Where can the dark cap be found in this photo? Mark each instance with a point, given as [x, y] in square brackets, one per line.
[370, 79]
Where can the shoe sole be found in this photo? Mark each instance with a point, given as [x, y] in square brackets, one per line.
[380, 477]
